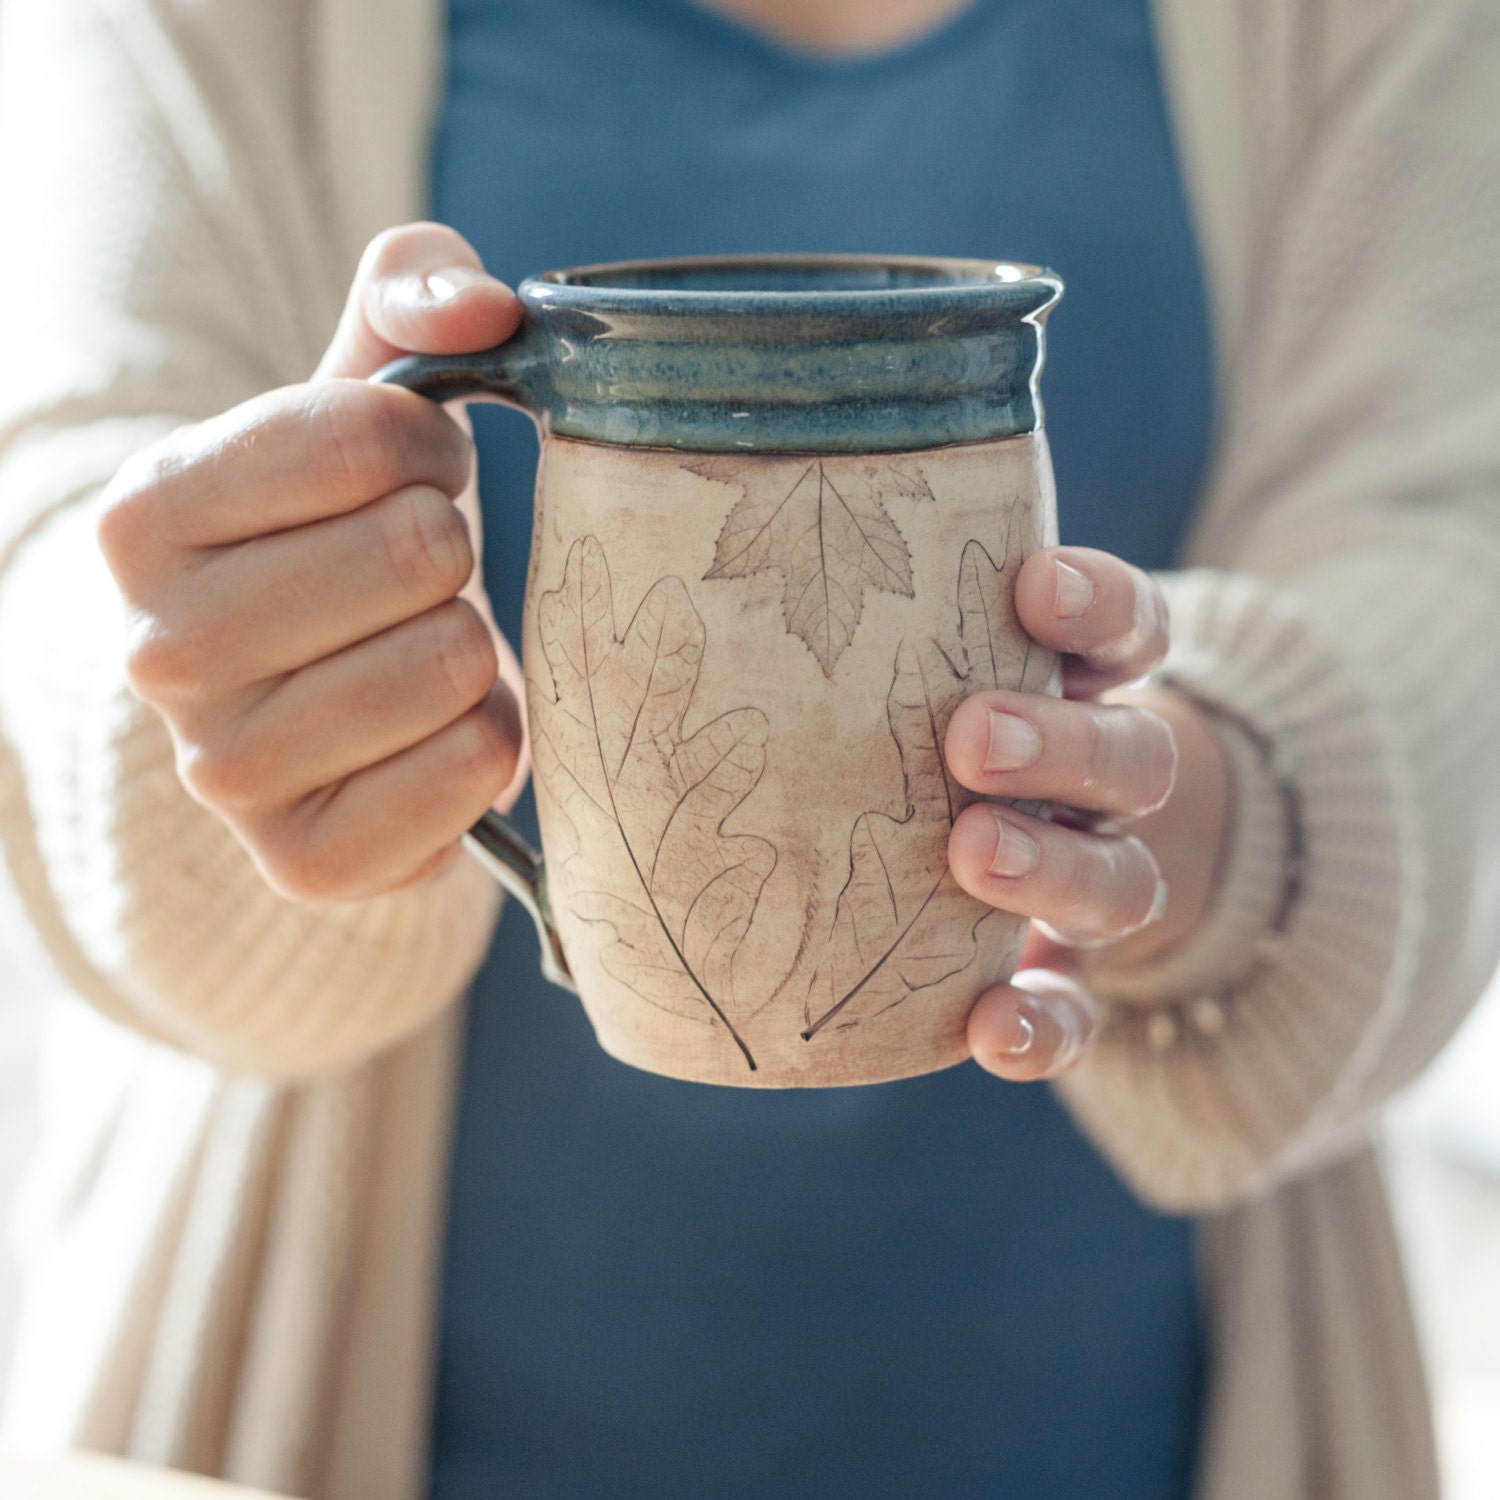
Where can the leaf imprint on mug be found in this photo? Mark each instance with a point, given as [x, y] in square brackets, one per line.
[829, 535]
[647, 800]
[902, 923]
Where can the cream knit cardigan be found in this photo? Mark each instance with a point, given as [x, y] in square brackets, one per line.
[231, 1232]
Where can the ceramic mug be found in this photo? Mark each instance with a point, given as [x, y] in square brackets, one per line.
[780, 507]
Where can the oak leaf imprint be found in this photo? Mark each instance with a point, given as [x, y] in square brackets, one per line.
[902, 924]
[640, 793]
[829, 536]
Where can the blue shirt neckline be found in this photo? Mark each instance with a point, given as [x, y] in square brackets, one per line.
[947, 34]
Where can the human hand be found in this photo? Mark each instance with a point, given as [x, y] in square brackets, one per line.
[1145, 758]
[305, 611]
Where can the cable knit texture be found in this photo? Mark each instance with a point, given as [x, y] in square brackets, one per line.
[231, 1234]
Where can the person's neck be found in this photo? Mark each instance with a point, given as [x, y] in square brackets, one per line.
[847, 28]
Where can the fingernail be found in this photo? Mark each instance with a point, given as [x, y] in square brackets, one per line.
[1074, 592]
[1070, 1039]
[1065, 939]
[1025, 1036]
[1158, 904]
[1014, 742]
[446, 284]
[1016, 852]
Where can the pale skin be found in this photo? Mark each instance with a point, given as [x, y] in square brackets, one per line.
[841, 27]
[301, 575]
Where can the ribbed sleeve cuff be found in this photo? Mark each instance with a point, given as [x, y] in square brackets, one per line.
[1218, 1084]
[216, 961]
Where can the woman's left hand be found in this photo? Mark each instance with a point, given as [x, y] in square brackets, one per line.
[1146, 759]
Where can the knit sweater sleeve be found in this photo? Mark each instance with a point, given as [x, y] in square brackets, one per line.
[1344, 613]
[176, 258]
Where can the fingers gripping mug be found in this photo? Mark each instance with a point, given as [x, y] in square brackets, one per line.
[780, 507]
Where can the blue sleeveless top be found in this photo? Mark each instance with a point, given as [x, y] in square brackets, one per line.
[933, 1287]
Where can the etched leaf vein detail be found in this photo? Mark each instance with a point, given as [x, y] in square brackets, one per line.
[902, 924]
[828, 534]
[643, 796]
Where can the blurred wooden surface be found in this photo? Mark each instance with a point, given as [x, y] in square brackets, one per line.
[86, 1476]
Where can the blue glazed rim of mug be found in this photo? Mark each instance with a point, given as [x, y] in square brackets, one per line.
[770, 353]
[884, 287]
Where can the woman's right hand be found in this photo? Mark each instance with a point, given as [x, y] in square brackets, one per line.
[304, 603]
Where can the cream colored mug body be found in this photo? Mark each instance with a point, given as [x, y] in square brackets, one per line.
[780, 508]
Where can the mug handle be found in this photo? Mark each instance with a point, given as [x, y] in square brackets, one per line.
[492, 840]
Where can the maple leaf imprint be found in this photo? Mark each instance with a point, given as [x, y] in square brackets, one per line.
[645, 798]
[830, 537]
[902, 923]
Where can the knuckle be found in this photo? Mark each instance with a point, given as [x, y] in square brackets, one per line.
[120, 520]
[385, 251]
[305, 863]
[378, 438]
[465, 652]
[1138, 879]
[396, 249]
[1107, 885]
[1085, 889]
[166, 660]
[427, 544]
[1097, 753]
[365, 434]
[131, 511]
[485, 756]
[222, 771]
[1134, 758]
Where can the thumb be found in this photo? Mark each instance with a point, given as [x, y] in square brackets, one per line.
[419, 289]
